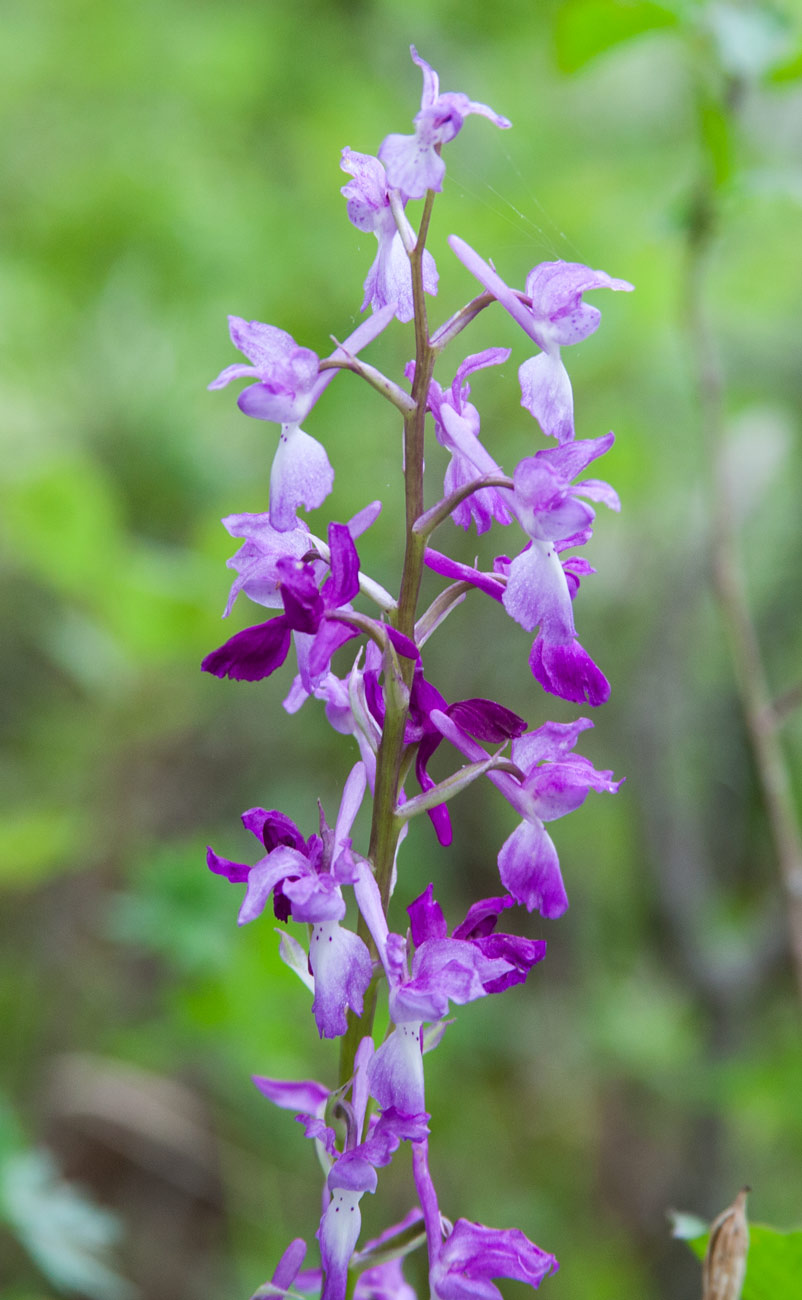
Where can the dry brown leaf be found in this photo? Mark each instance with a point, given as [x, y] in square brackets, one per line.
[724, 1267]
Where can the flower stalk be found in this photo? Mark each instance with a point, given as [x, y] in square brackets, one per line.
[387, 996]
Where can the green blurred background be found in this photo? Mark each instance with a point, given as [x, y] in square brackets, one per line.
[168, 162]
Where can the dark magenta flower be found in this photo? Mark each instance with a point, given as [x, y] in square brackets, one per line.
[459, 969]
[554, 781]
[427, 922]
[305, 878]
[256, 561]
[389, 280]
[258, 651]
[413, 162]
[484, 719]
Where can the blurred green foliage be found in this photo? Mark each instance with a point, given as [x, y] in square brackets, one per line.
[167, 163]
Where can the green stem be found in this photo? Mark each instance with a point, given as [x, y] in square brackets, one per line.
[386, 827]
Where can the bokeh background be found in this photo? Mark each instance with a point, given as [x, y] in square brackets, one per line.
[168, 162]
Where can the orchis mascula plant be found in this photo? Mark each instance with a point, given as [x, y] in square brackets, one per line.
[398, 718]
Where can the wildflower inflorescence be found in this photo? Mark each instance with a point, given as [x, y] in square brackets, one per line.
[399, 718]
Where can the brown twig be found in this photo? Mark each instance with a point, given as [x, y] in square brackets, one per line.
[760, 714]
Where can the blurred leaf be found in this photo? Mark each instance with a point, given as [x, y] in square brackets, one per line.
[36, 843]
[173, 909]
[586, 28]
[749, 39]
[68, 1236]
[65, 522]
[774, 1263]
[11, 1138]
[715, 128]
[789, 70]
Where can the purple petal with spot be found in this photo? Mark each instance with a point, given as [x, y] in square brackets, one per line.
[530, 870]
[342, 969]
[546, 394]
[537, 592]
[338, 1234]
[300, 475]
[395, 1073]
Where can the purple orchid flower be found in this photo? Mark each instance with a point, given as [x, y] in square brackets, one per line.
[413, 162]
[540, 587]
[259, 576]
[347, 710]
[386, 1281]
[459, 969]
[537, 587]
[353, 1174]
[256, 561]
[562, 668]
[456, 426]
[427, 924]
[484, 719]
[473, 1254]
[389, 280]
[557, 316]
[554, 781]
[288, 1279]
[258, 651]
[289, 384]
[352, 1171]
[305, 879]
